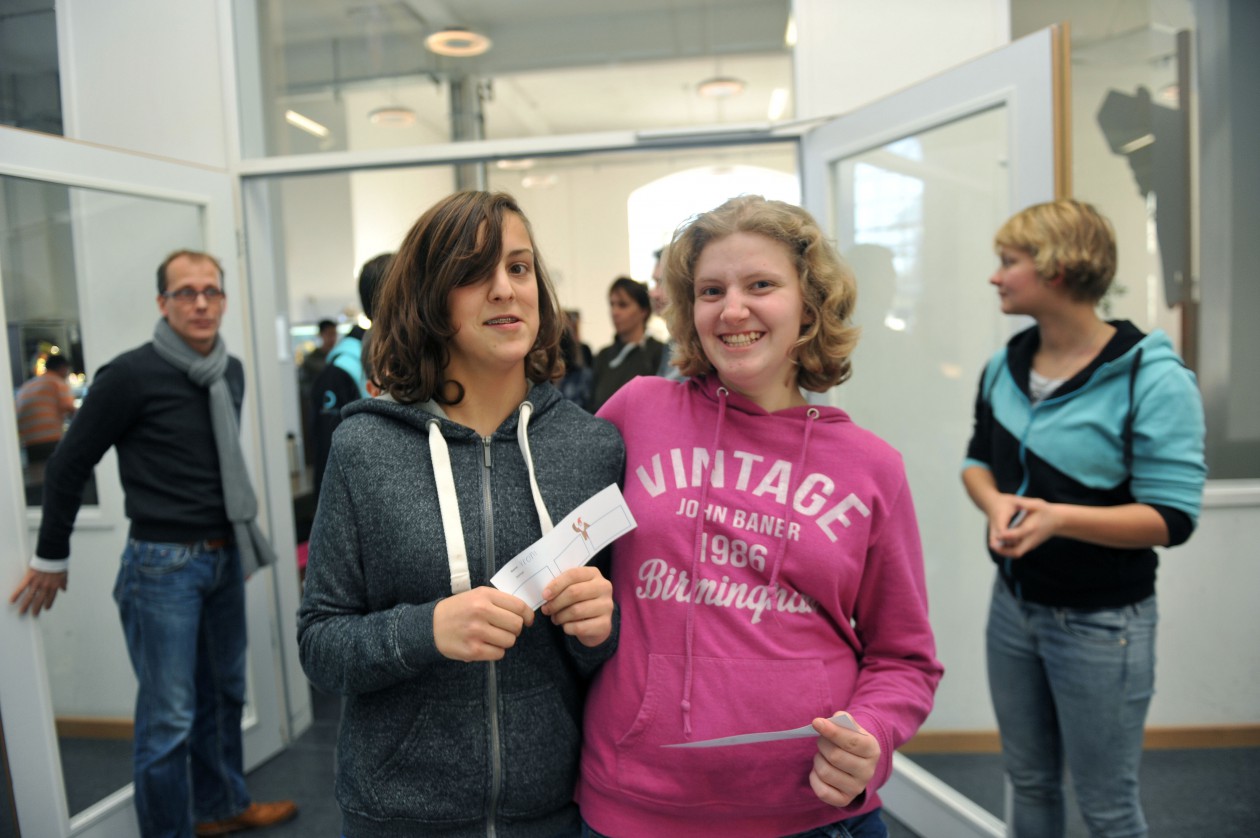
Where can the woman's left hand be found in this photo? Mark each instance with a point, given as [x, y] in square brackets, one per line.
[1036, 522]
[580, 602]
[845, 762]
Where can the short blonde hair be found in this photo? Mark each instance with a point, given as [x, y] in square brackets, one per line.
[828, 288]
[1068, 238]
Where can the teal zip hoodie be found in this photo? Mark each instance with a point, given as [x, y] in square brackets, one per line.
[1126, 429]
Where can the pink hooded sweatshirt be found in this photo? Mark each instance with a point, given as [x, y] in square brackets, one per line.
[797, 593]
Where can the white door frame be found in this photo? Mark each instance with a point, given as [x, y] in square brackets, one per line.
[29, 725]
[1025, 78]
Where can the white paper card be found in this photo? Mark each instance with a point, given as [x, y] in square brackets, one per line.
[596, 523]
[770, 736]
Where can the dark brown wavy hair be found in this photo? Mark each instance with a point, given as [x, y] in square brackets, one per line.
[828, 288]
[457, 242]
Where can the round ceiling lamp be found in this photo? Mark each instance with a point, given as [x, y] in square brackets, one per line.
[514, 163]
[392, 115]
[720, 87]
[457, 42]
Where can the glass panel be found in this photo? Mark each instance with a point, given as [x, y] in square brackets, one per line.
[334, 75]
[30, 80]
[596, 217]
[41, 300]
[1147, 77]
[77, 268]
[915, 218]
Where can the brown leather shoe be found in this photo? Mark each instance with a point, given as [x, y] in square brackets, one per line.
[256, 816]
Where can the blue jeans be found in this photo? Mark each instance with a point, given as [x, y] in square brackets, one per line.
[1074, 685]
[870, 825]
[183, 615]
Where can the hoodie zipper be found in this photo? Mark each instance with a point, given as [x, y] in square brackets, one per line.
[1033, 409]
[492, 679]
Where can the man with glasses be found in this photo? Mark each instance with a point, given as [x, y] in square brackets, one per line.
[171, 408]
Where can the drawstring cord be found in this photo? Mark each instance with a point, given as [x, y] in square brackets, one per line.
[448, 504]
[448, 501]
[811, 416]
[697, 542]
[522, 439]
[722, 393]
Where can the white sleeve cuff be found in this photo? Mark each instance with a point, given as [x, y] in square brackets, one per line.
[49, 565]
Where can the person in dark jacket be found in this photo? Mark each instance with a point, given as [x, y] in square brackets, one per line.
[633, 351]
[1087, 454]
[344, 377]
[463, 708]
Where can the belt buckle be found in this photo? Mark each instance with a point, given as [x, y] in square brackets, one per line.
[215, 543]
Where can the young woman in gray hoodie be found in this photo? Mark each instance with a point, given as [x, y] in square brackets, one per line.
[462, 706]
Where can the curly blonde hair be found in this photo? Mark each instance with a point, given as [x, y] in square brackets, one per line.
[828, 288]
[1065, 237]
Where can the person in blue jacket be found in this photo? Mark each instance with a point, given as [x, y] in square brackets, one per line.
[1087, 453]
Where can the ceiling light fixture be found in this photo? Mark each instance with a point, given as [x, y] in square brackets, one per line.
[392, 115]
[307, 124]
[457, 42]
[545, 181]
[720, 87]
[778, 104]
[514, 163]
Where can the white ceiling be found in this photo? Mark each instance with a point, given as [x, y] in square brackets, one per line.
[555, 67]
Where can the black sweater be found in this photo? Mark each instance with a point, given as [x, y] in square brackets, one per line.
[167, 461]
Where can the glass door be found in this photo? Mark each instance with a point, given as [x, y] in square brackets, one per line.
[82, 230]
[913, 188]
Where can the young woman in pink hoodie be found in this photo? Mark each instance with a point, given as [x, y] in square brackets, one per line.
[776, 576]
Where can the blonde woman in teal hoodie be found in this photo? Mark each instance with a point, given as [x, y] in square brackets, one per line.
[775, 579]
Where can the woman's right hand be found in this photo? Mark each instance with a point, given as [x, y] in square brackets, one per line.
[479, 625]
[1001, 511]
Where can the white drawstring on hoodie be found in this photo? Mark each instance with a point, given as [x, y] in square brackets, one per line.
[448, 503]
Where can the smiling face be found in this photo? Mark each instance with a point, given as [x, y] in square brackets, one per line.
[196, 321]
[496, 319]
[1020, 289]
[748, 316]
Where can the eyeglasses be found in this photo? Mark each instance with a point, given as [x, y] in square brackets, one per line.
[188, 296]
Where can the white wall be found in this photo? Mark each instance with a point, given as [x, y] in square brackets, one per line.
[852, 52]
[145, 75]
[1208, 670]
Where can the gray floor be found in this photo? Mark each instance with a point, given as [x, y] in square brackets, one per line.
[1189, 792]
[1199, 792]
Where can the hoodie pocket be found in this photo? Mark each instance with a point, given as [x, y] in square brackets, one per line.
[728, 697]
[436, 772]
[540, 753]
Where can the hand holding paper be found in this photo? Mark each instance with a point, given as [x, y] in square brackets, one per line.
[574, 541]
[846, 760]
[580, 602]
[479, 625]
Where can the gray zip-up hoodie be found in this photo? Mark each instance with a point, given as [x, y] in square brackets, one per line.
[429, 745]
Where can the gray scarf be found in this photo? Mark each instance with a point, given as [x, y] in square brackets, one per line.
[238, 495]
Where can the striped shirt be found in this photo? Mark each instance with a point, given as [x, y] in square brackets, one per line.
[43, 403]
